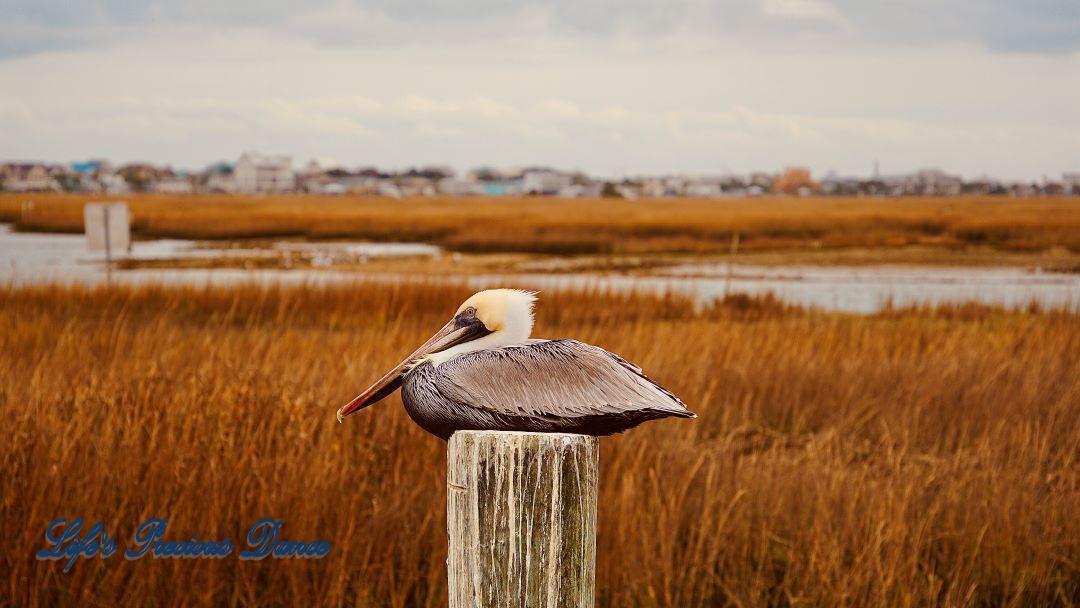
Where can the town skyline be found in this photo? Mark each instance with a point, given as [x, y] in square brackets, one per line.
[874, 169]
[700, 167]
[255, 173]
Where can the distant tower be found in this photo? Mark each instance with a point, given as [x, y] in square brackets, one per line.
[877, 171]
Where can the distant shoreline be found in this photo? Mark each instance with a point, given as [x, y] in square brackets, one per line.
[978, 230]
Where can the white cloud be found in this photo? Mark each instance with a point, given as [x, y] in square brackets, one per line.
[610, 104]
[801, 9]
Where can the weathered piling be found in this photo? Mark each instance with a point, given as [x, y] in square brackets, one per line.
[521, 513]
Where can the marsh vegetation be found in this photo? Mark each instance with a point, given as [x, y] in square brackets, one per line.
[924, 456]
[968, 230]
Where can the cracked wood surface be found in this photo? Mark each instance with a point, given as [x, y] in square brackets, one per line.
[521, 513]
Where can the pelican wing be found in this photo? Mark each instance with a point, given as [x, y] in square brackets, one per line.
[553, 378]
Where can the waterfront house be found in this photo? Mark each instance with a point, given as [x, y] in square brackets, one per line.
[263, 174]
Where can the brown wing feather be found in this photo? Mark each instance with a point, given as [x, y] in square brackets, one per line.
[553, 378]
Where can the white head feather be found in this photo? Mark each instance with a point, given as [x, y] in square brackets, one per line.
[507, 313]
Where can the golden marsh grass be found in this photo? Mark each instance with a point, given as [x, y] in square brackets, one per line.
[916, 457]
[600, 226]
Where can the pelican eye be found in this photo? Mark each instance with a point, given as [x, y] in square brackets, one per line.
[465, 317]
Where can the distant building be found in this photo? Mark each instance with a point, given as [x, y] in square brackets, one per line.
[338, 181]
[388, 189]
[363, 184]
[329, 189]
[1070, 182]
[936, 182]
[113, 183]
[673, 185]
[92, 167]
[502, 188]
[27, 177]
[544, 181]
[96, 175]
[924, 182]
[172, 185]
[703, 187]
[459, 187]
[262, 174]
[416, 185]
[219, 178]
[835, 185]
[591, 190]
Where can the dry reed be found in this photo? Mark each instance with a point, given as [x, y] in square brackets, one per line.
[917, 457]
[538, 225]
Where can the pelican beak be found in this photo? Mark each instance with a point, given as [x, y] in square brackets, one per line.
[460, 329]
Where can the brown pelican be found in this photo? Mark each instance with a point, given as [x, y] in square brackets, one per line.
[481, 371]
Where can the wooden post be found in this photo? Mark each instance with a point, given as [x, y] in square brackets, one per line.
[108, 229]
[521, 513]
[108, 245]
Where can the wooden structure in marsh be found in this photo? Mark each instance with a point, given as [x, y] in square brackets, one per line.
[108, 228]
[521, 513]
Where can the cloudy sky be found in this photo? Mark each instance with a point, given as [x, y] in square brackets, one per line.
[612, 87]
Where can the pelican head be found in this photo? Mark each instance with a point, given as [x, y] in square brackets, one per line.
[488, 319]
